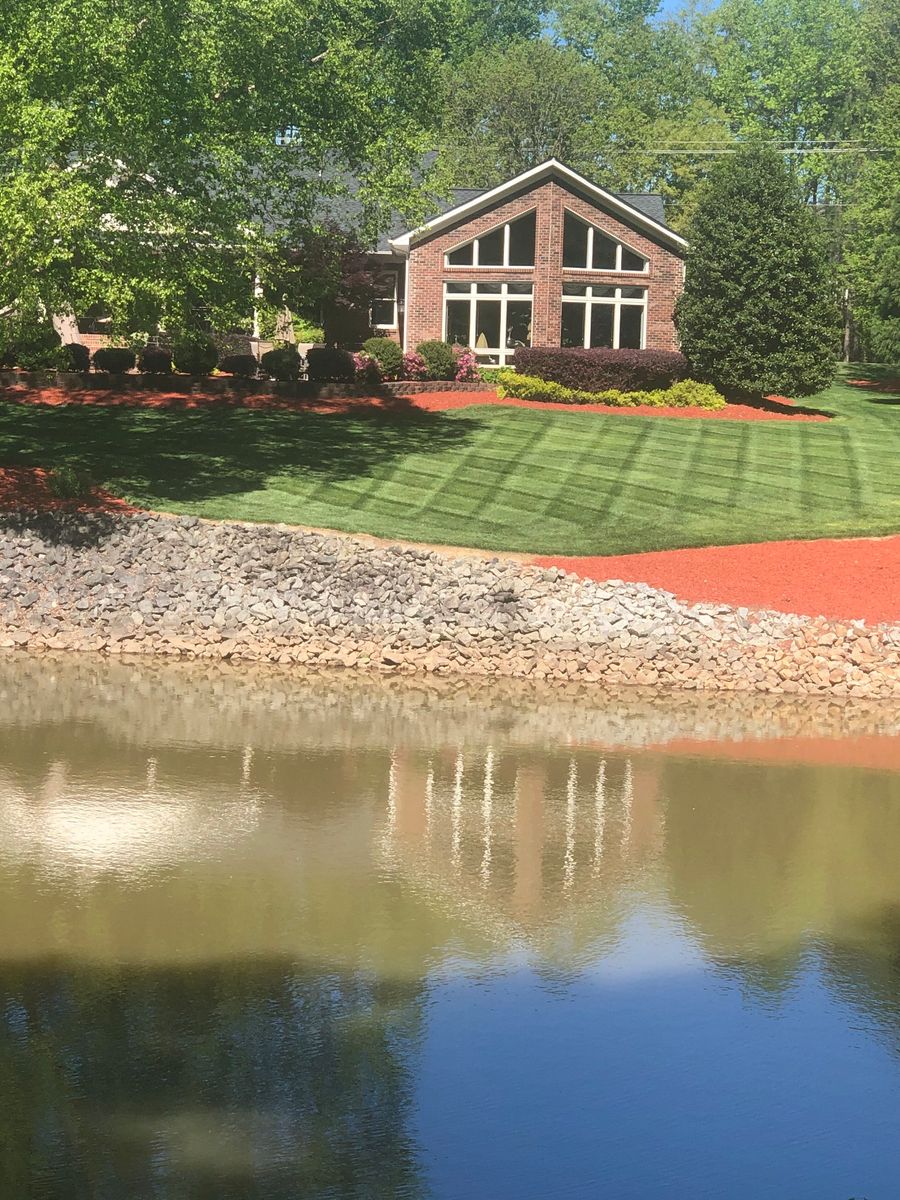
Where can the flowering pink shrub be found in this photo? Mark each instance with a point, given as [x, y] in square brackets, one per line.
[467, 367]
[367, 370]
[414, 366]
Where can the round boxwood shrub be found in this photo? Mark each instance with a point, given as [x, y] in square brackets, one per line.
[439, 359]
[155, 360]
[242, 366]
[114, 359]
[387, 353]
[328, 364]
[282, 363]
[195, 356]
[78, 355]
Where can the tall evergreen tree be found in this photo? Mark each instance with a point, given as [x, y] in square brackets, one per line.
[758, 312]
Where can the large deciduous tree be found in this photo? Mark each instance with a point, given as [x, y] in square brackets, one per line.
[139, 162]
[758, 313]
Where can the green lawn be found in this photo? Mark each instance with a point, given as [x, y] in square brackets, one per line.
[500, 478]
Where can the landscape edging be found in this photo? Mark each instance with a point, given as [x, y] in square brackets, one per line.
[149, 584]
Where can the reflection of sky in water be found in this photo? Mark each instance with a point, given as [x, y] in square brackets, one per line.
[386, 969]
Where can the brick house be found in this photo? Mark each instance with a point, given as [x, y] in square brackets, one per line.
[546, 259]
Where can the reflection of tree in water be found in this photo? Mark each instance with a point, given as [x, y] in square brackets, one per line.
[766, 863]
[239, 1080]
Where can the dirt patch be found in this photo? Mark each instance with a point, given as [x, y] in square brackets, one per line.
[28, 489]
[844, 579]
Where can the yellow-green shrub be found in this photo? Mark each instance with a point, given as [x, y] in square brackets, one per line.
[687, 393]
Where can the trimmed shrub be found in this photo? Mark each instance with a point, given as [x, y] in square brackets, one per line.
[155, 360]
[687, 393]
[328, 364]
[439, 359]
[282, 363]
[603, 370]
[242, 366]
[78, 355]
[29, 342]
[195, 356]
[387, 353]
[114, 359]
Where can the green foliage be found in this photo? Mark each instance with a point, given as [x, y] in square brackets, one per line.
[758, 311]
[69, 481]
[155, 360]
[307, 331]
[439, 357]
[114, 359]
[29, 341]
[242, 366]
[687, 393]
[195, 355]
[282, 363]
[388, 354]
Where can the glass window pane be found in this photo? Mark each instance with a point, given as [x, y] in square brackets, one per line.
[575, 289]
[459, 288]
[519, 289]
[487, 324]
[489, 289]
[632, 261]
[383, 312]
[521, 241]
[573, 324]
[604, 252]
[518, 323]
[631, 319]
[634, 293]
[604, 291]
[461, 256]
[458, 321]
[490, 248]
[574, 242]
[601, 325]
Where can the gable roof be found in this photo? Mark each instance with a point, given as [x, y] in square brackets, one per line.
[642, 210]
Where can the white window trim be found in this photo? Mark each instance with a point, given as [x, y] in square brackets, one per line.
[616, 303]
[393, 297]
[506, 265]
[502, 353]
[620, 246]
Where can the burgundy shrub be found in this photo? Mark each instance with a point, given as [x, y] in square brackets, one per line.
[602, 370]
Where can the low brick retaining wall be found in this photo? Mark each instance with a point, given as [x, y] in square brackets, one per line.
[144, 584]
[226, 386]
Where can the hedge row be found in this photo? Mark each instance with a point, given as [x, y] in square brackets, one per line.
[686, 393]
[603, 370]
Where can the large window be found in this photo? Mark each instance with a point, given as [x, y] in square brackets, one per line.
[509, 245]
[603, 316]
[492, 318]
[587, 248]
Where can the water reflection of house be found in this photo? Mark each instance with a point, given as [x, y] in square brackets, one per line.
[518, 840]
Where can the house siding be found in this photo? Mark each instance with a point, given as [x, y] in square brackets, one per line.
[549, 199]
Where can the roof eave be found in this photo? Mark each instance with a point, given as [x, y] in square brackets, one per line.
[552, 166]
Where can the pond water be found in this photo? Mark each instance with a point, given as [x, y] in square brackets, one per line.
[269, 936]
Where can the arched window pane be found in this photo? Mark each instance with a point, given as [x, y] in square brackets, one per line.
[461, 257]
[604, 252]
[632, 261]
[574, 242]
[490, 250]
[521, 241]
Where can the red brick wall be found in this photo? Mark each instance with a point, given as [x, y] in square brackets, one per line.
[550, 199]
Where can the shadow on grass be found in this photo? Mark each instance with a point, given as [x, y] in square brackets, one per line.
[869, 377]
[191, 455]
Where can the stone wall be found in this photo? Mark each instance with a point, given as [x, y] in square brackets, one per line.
[144, 584]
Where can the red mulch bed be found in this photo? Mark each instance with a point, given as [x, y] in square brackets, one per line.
[27, 488]
[775, 408]
[846, 579]
[874, 385]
